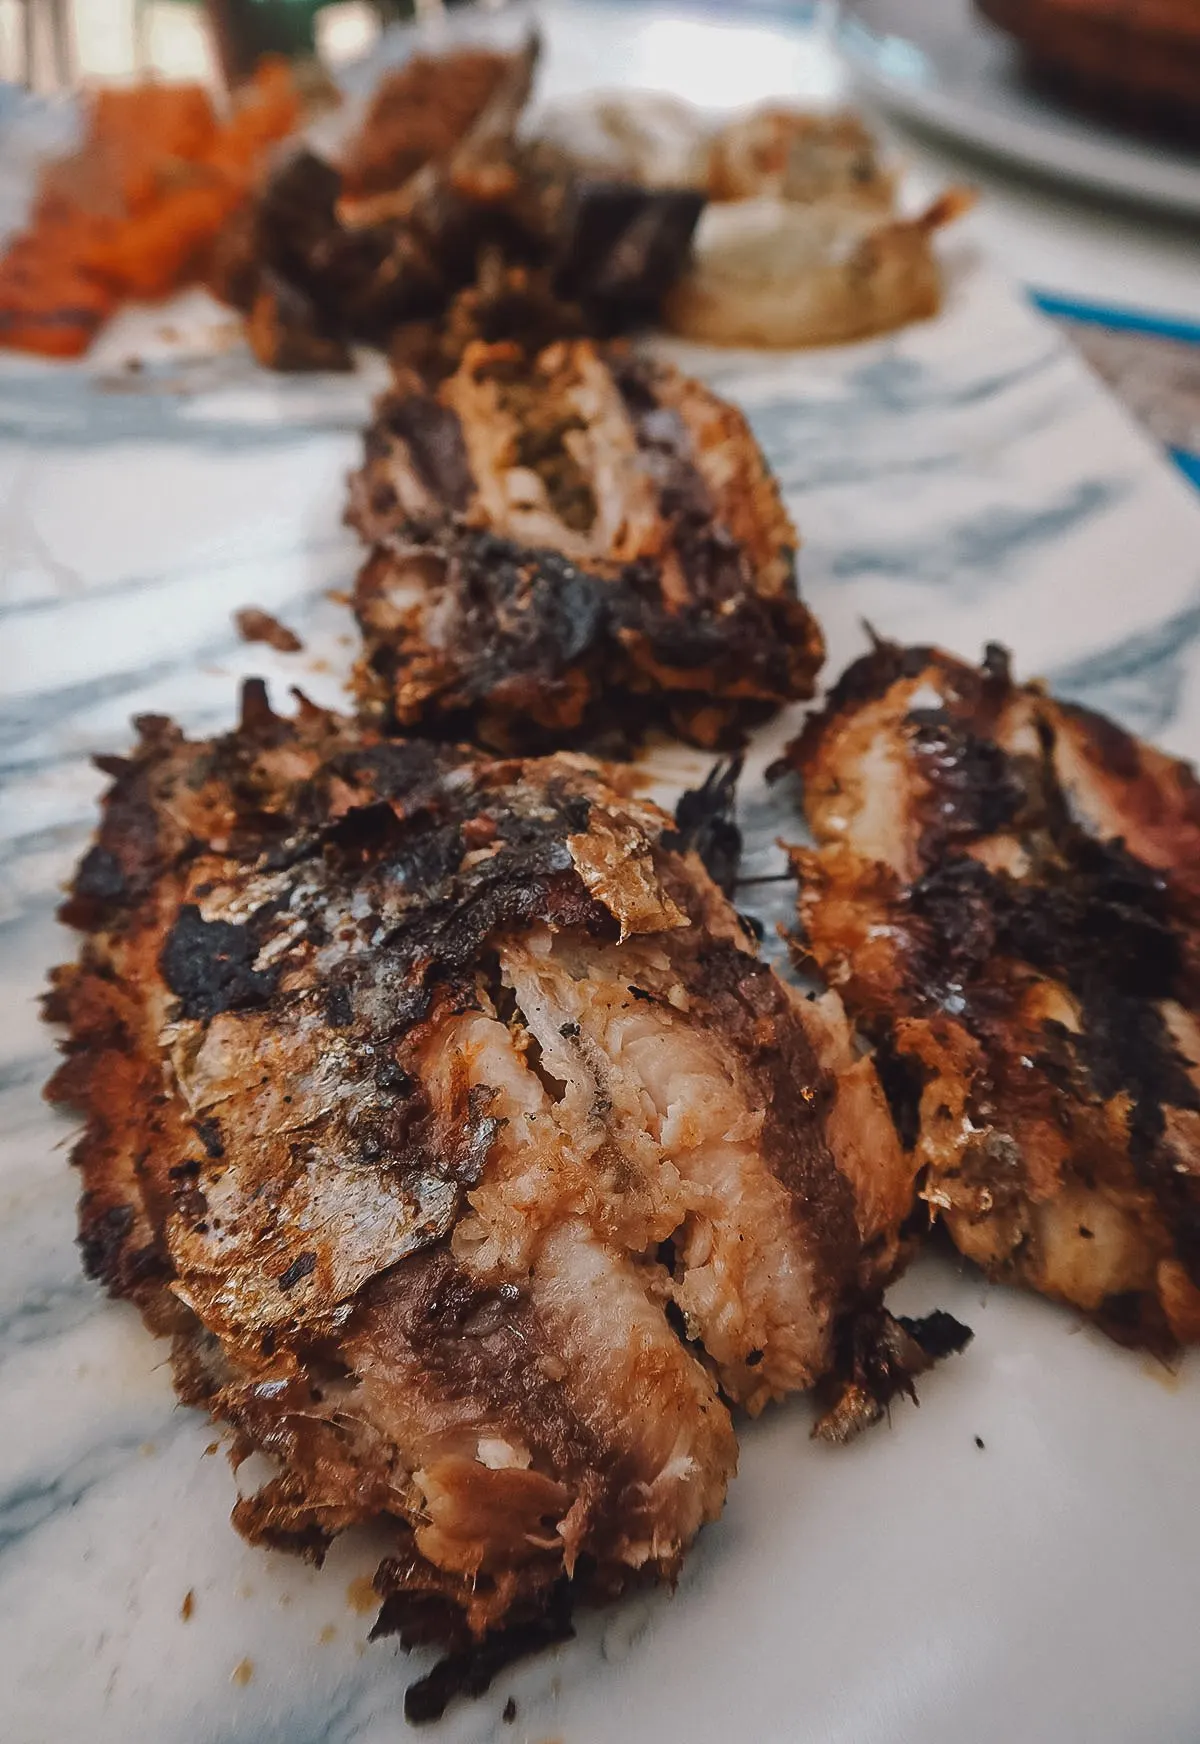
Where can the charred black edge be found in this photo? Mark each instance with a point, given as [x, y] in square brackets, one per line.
[938, 1333]
[602, 609]
[871, 676]
[763, 635]
[877, 1357]
[1095, 918]
[1099, 921]
[209, 965]
[1136, 1321]
[623, 247]
[705, 824]
[902, 1078]
[470, 1668]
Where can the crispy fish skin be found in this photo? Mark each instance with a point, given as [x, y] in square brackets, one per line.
[1004, 891]
[577, 541]
[427, 1100]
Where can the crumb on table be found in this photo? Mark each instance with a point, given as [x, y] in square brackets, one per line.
[255, 625]
[361, 1594]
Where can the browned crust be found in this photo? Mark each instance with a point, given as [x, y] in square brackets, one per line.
[280, 930]
[1003, 891]
[583, 543]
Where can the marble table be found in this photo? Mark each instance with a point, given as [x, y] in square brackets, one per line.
[965, 480]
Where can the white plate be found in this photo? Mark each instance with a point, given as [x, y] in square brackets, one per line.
[938, 62]
[964, 480]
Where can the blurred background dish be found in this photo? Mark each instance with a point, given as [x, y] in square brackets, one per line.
[940, 63]
[1133, 62]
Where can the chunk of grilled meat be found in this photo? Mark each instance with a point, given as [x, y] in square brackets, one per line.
[593, 540]
[441, 224]
[429, 1102]
[418, 114]
[1005, 892]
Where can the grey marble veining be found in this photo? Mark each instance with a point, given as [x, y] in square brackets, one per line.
[964, 481]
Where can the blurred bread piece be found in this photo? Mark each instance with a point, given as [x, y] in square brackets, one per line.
[800, 243]
[774, 274]
[779, 151]
[790, 154]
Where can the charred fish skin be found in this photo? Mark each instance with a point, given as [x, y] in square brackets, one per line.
[593, 541]
[1004, 892]
[427, 1099]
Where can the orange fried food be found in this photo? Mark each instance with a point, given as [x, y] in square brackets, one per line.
[134, 213]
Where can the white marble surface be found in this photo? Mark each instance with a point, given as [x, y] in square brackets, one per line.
[1055, 240]
[965, 480]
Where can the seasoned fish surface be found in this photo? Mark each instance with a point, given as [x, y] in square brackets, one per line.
[583, 541]
[1005, 892]
[444, 1117]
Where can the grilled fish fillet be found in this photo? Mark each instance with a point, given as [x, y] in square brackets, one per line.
[442, 1114]
[1005, 892]
[578, 541]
